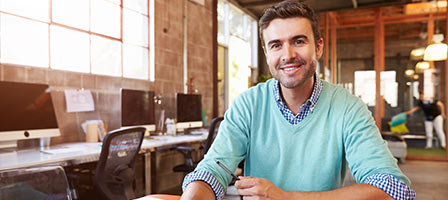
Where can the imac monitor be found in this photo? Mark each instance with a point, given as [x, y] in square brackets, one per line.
[26, 112]
[189, 111]
[137, 109]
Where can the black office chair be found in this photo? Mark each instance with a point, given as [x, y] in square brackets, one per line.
[114, 177]
[189, 165]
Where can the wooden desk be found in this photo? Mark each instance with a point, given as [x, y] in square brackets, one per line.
[78, 153]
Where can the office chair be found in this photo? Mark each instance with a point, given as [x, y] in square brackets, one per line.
[114, 176]
[189, 165]
[39, 183]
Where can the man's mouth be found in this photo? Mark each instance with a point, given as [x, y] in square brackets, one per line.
[290, 68]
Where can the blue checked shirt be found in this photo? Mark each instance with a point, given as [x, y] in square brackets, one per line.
[391, 185]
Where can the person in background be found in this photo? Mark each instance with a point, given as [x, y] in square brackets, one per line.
[297, 133]
[434, 116]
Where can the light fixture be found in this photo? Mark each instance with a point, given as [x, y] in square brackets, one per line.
[409, 72]
[417, 54]
[416, 76]
[436, 51]
[421, 66]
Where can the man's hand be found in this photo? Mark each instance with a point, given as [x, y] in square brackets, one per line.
[258, 188]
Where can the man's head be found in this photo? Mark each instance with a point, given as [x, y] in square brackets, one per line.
[289, 9]
[292, 44]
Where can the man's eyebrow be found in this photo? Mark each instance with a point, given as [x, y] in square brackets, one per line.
[293, 38]
[299, 37]
[272, 42]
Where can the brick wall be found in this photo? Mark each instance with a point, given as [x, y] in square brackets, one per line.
[169, 39]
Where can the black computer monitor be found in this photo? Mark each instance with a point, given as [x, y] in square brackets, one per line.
[26, 112]
[137, 108]
[189, 111]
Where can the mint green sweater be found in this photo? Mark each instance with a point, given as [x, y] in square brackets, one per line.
[310, 156]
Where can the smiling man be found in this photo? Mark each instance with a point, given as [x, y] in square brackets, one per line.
[297, 133]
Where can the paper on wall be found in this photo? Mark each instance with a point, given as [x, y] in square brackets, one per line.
[79, 100]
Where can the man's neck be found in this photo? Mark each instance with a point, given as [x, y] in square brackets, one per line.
[295, 97]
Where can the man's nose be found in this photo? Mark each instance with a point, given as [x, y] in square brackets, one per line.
[288, 53]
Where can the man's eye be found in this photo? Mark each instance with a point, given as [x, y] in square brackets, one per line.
[275, 46]
[298, 42]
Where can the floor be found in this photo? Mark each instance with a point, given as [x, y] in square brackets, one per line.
[429, 179]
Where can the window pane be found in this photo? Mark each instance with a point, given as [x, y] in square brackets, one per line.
[135, 62]
[236, 22]
[73, 13]
[36, 9]
[106, 56]
[69, 49]
[135, 28]
[117, 2]
[105, 18]
[140, 6]
[221, 16]
[23, 41]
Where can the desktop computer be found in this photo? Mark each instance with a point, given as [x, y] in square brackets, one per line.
[137, 109]
[27, 112]
[188, 111]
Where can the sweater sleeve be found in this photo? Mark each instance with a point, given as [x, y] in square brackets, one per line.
[231, 143]
[367, 153]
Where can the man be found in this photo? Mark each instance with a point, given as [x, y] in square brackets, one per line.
[297, 132]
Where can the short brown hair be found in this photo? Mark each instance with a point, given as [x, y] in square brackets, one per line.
[289, 9]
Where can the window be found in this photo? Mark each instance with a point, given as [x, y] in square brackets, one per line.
[237, 33]
[90, 36]
[365, 87]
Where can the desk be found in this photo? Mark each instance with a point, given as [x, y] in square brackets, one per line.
[90, 152]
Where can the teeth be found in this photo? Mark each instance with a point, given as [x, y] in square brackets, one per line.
[289, 68]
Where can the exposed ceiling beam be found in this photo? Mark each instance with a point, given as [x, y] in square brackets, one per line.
[259, 3]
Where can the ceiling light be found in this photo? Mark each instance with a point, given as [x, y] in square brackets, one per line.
[417, 54]
[409, 72]
[421, 66]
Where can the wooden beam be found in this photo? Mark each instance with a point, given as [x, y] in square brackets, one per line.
[215, 58]
[333, 46]
[259, 3]
[430, 29]
[379, 66]
[446, 86]
[326, 45]
[370, 21]
[430, 34]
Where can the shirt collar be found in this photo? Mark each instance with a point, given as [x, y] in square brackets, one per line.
[311, 101]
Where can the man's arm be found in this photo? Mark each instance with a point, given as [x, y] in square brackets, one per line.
[198, 190]
[264, 189]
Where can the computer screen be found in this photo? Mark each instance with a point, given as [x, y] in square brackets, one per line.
[189, 110]
[26, 111]
[137, 108]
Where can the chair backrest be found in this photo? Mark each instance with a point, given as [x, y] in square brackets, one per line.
[212, 132]
[114, 176]
[43, 182]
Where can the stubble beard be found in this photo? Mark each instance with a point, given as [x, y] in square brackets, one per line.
[294, 82]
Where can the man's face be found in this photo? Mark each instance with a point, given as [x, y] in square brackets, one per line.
[290, 51]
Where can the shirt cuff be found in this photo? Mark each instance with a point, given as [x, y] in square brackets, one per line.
[392, 186]
[207, 177]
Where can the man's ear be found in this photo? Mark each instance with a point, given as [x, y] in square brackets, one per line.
[319, 48]
[262, 46]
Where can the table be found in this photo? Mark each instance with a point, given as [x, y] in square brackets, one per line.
[78, 153]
